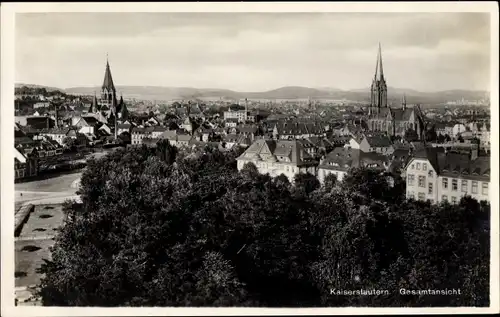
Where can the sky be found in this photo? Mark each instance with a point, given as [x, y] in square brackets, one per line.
[254, 51]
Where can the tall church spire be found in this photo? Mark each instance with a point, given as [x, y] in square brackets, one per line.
[379, 87]
[404, 102]
[379, 70]
[108, 79]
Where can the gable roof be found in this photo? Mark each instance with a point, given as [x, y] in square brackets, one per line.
[343, 159]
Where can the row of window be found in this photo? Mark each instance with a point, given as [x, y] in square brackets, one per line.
[424, 166]
[453, 199]
[464, 186]
[421, 196]
[454, 184]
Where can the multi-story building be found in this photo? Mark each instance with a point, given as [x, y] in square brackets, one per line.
[438, 175]
[59, 134]
[342, 159]
[276, 157]
[295, 129]
[378, 144]
[25, 162]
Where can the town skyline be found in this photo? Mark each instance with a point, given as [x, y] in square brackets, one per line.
[207, 52]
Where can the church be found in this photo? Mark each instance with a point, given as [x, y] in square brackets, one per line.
[384, 118]
[108, 109]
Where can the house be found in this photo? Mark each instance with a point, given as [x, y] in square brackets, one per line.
[39, 105]
[25, 162]
[278, 157]
[123, 127]
[176, 138]
[154, 121]
[231, 140]
[138, 135]
[378, 144]
[157, 131]
[342, 159]
[86, 124]
[322, 144]
[59, 134]
[187, 125]
[43, 122]
[231, 122]
[437, 175]
[295, 129]
[203, 134]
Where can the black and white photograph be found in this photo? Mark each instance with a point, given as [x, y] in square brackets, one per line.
[250, 158]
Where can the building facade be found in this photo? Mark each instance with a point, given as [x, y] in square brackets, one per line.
[276, 157]
[439, 176]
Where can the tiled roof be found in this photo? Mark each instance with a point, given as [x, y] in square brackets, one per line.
[343, 159]
[378, 141]
[273, 151]
[457, 165]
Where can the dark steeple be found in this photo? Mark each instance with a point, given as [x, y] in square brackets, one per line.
[108, 91]
[108, 80]
[379, 87]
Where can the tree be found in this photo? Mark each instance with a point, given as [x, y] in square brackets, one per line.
[161, 228]
[306, 181]
[125, 137]
[69, 142]
[441, 138]
[330, 182]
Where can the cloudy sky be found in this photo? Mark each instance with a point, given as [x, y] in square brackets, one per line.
[254, 51]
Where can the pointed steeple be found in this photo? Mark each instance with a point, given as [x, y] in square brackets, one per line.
[379, 70]
[108, 80]
[404, 102]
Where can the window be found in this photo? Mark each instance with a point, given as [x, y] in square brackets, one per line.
[411, 195]
[413, 166]
[431, 173]
[454, 185]
[485, 188]
[474, 187]
[418, 166]
[464, 185]
[431, 201]
[421, 181]
[424, 166]
[411, 178]
[445, 183]
[421, 196]
[444, 198]
[430, 189]
[453, 199]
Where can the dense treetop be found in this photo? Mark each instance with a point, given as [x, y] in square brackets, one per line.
[161, 228]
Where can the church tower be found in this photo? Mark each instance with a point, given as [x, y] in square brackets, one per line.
[379, 86]
[108, 91]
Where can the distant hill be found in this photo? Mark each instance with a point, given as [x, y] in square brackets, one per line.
[19, 85]
[289, 92]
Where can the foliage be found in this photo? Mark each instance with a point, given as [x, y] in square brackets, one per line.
[158, 227]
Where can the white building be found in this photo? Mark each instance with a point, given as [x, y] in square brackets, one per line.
[278, 157]
[439, 176]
